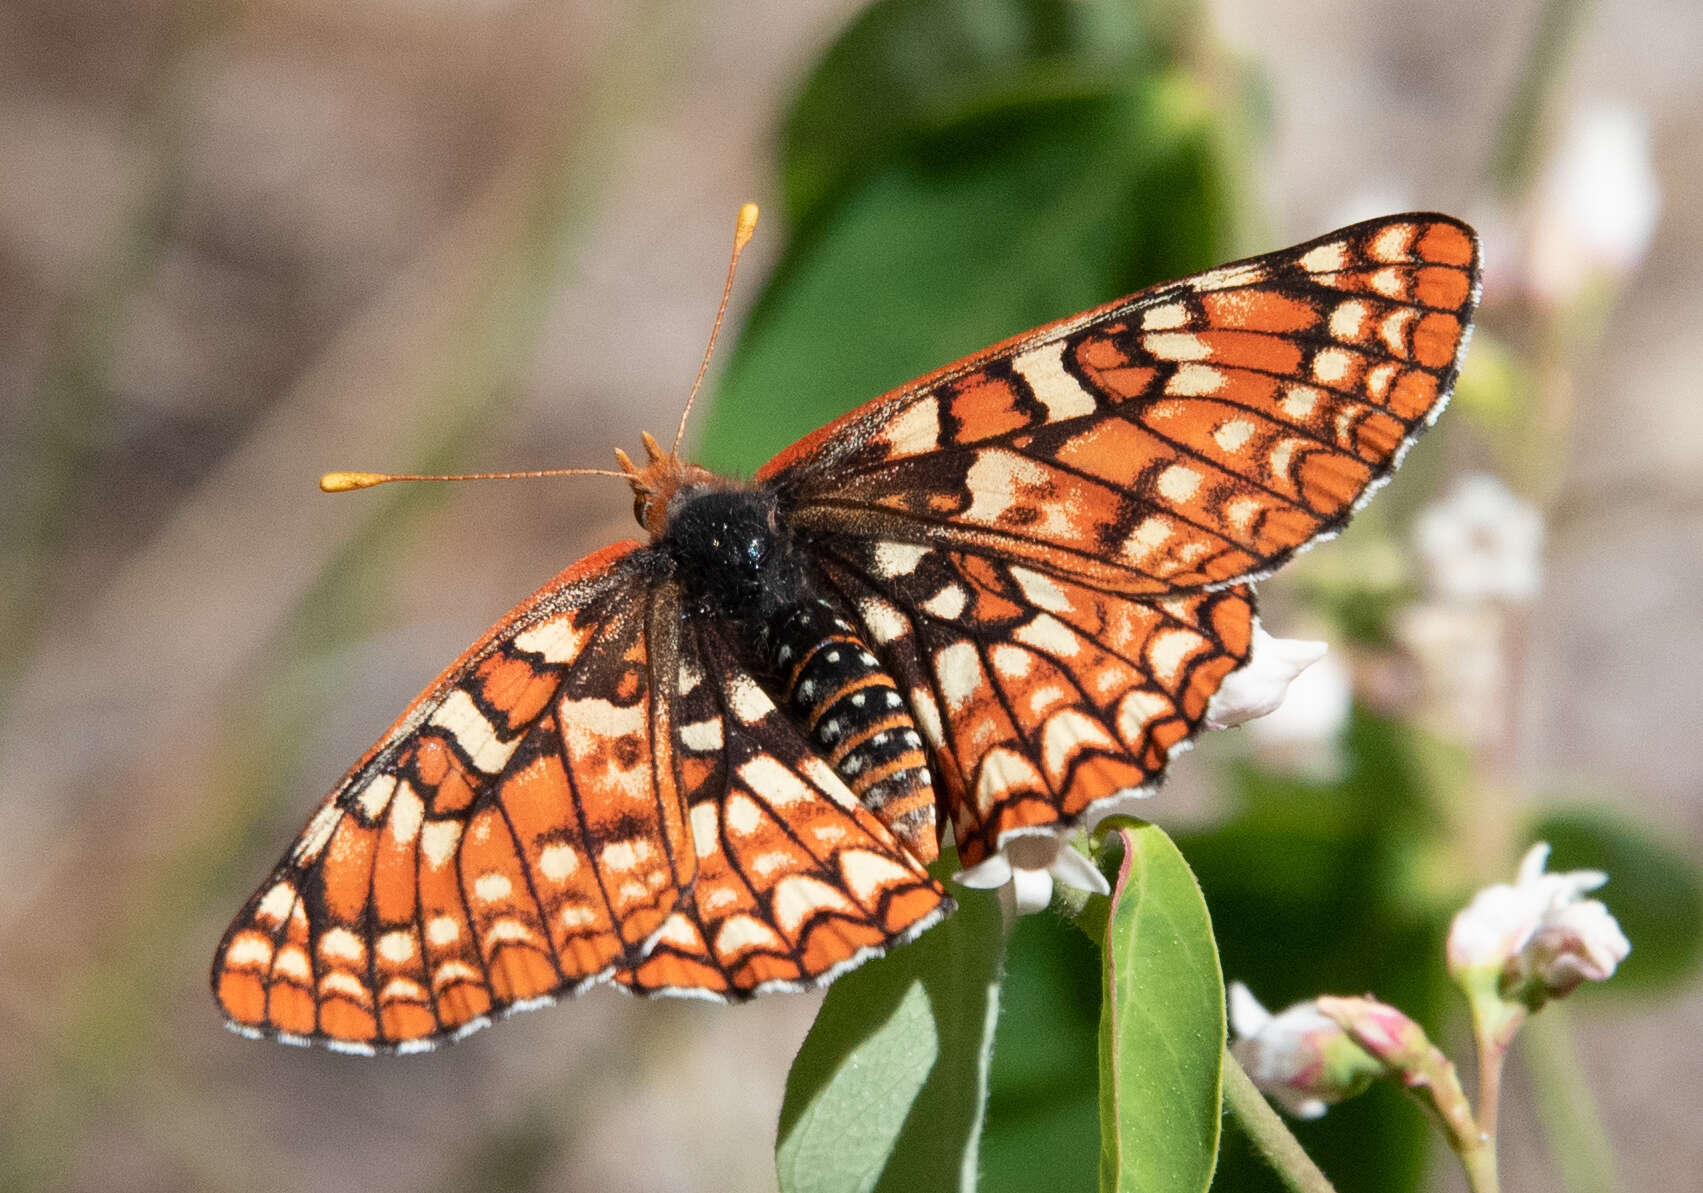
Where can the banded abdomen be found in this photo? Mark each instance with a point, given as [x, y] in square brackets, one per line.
[856, 717]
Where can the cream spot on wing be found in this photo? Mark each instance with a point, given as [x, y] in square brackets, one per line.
[1148, 536]
[1394, 329]
[1232, 434]
[275, 904]
[620, 857]
[1003, 771]
[884, 622]
[1299, 401]
[375, 797]
[339, 984]
[916, 429]
[702, 737]
[396, 947]
[451, 972]
[706, 829]
[749, 702]
[1062, 395]
[438, 841]
[249, 950]
[576, 915]
[1010, 662]
[1168, 649]
[1176, 345]
[1047, 633]
[557, 861]
[690, 676]
[1388, 282]
[557, 640]
[1282, 456]
[1378, 379]
[827, 782]
[1068, 731]
[716, 898]
[868, 874]
[960, 673]
[407, 810]
[492, 888]
[291, 962]
[340, 944]
[1178, 483]
[997, 480]
[443, 930]
[927, 715]
[1040, 590]
[1326, 258]
[473, 732]
[403, 990]
[893, 560]
[1136, 711]
[743, 816]
[1391, 244]
[777, 785]
[797, 897]
[948, 603]
[1163, 318]
[743, 933]
[510, 931]
[318, 832]
[678, 930]
[1348, 320]
[1240, 514]
[1226, 276]
[1195, 380]
[1331, 365]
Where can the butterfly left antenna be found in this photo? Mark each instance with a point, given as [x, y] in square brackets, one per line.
[343, 482]
[742, 232]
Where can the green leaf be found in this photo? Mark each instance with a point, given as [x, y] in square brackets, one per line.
[1002, 223]
[906, 69]
[1043, 1118]
[1161, 1025]
[888, 1089]
[1654, 891]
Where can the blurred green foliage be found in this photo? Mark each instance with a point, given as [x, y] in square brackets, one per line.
[955, 172]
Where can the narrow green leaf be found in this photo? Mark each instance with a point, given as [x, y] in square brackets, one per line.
[1161, 1025]
[887, 1091]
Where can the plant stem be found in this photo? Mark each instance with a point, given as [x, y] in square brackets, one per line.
[1269, 1133]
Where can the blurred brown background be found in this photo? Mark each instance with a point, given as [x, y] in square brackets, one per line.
[244, 243]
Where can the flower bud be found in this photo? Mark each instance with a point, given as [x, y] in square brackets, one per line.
[1536, 938]
[1259, 685]
[1302, 1059]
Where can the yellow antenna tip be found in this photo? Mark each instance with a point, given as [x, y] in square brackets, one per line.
[343, 482]
[746, 227]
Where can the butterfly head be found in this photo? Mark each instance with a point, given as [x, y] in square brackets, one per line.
[656, 484]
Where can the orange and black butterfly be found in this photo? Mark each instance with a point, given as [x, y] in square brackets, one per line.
[717, 762]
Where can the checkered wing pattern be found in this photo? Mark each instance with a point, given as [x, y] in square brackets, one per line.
[519, 833]
[1052, 540]
[797, 879]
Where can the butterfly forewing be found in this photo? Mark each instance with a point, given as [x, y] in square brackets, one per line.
[503, 843]
[1047, 515]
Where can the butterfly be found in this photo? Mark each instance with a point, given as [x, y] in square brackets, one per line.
[717, 762]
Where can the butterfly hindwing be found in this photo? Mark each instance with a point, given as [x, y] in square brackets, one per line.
[796, 879]
[1040, 696]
